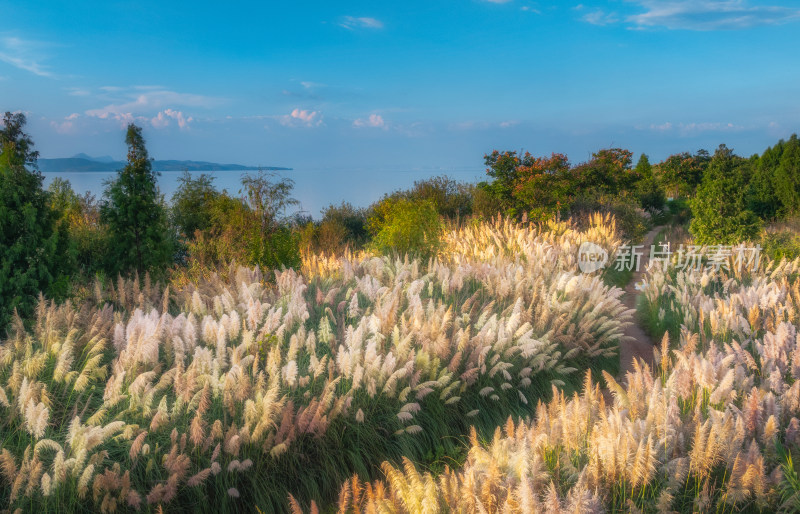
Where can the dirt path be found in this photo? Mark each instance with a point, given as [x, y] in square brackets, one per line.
[636, 343]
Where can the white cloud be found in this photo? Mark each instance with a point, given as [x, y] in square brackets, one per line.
[151, 104]
[112, 112]
[301, 118]
[700, 15]
[600, 17]
[307, 84]
[482, 125]
[162, 119]
[694, 128]
[374, 121]
[353, 22]
[22, 54]
[661, 128]
[466, 125]
[63, 127]
[67, 126]
[151, 99]
[76, 91]
[710, 14]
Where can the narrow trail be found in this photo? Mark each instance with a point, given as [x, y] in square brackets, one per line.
[636, 343]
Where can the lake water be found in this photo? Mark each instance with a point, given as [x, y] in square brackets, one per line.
[314, 189]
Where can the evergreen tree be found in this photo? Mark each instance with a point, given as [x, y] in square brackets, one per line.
[762, 197]
[651, 195]
[136, 215]
[643, 168]
[787, 177]
[33, 253]
[719, 209]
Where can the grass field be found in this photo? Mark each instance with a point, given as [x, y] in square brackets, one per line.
[234, 392]
[709, 429]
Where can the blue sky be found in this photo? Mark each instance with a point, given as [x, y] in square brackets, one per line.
[411, 85]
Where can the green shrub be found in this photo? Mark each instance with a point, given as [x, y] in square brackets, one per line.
[342, 226]
[780, 244]
[407, 227]
[278, 249]
[631, 221]
[192, 203]
[720, 213]
[679, 211]
[651, 196]
[485, 205]
[452, 199]
[79, 216]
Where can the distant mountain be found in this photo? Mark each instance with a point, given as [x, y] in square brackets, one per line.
[86, 163]
[103, 158]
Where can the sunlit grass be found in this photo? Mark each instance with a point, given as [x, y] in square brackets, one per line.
[234, 392]
[714, 427]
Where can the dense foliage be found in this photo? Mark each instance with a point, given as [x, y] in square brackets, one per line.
[720, 207]
[540, 188]
[680, 174]
[407, 227]
[135, 214]
[193, 204]
[34, 249]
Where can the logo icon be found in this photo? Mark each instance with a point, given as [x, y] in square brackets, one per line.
[591, 257]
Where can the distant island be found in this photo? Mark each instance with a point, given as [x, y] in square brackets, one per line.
[85, 163]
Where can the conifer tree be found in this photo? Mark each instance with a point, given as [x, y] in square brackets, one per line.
[643, 168]
[136, 215]
[651, 195]
[787, 177]
[762, 197]
[30, 243]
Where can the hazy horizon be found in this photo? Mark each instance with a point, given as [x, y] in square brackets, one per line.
[315, 189]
